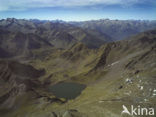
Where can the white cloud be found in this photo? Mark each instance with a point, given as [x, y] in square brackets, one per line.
[26, 4]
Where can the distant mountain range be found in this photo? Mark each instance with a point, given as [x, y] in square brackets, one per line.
[92, 33]
[61, 35]
[117, 29]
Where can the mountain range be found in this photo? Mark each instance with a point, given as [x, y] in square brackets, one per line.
[117, 29]
[114, 59]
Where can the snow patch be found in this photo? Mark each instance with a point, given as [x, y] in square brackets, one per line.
[114, 63]
[140, 87]
[129, 81]
[154, 92]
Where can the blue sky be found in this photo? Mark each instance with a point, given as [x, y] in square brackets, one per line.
[78, 10]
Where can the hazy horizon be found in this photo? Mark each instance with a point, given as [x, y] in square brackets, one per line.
[78, 20]
[79, 10]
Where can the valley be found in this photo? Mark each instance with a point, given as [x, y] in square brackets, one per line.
[76, 69]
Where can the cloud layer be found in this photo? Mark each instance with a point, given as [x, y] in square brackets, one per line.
[6, 5]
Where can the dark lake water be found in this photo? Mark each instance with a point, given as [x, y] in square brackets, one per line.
[67, 90]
